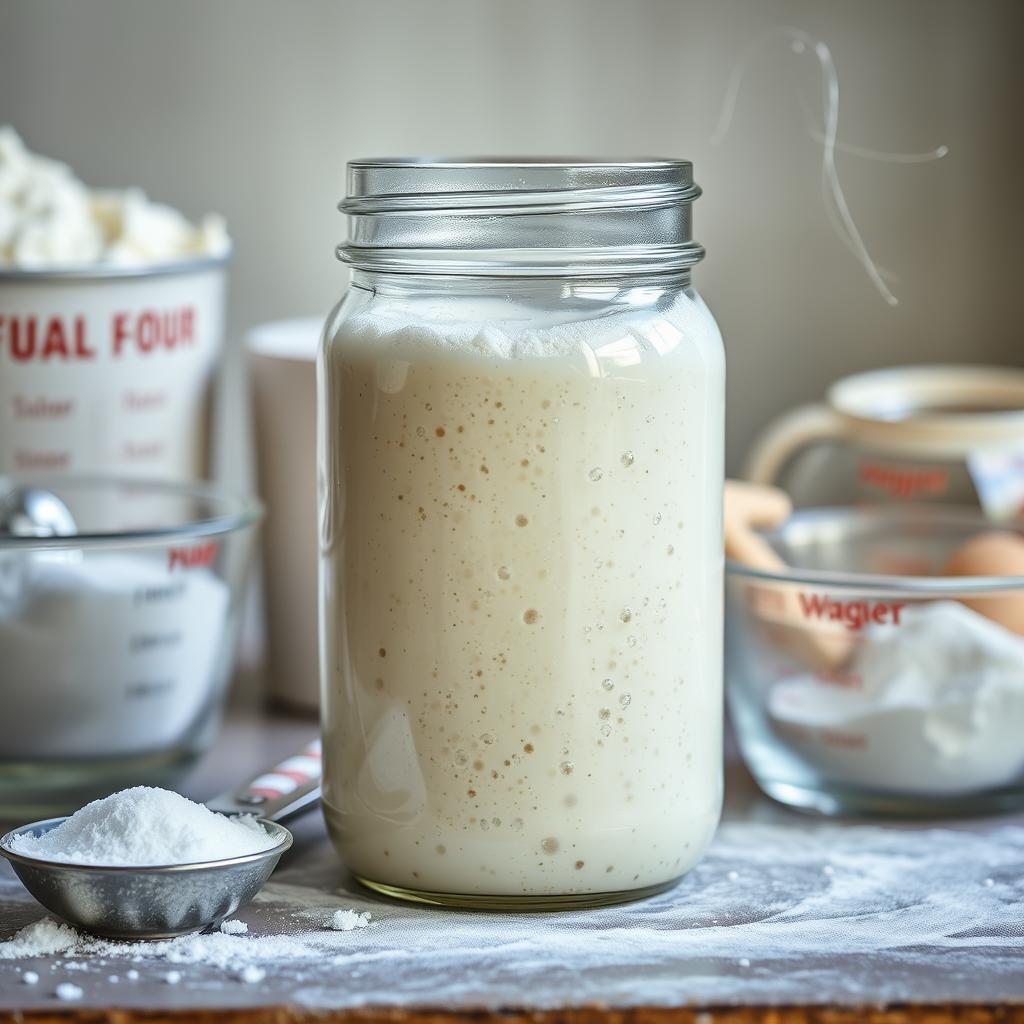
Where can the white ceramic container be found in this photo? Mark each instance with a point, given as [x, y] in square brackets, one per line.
[282, 370]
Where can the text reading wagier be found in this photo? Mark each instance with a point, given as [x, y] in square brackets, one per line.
[67, 338]
[854, 615]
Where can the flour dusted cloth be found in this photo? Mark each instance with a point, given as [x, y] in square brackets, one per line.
[799, 913]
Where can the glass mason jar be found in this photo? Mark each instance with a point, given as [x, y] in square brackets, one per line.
[520, 477]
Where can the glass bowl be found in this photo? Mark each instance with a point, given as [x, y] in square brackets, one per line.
[117, 640]
[859, 680]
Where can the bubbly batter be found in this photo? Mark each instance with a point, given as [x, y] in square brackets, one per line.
[522, 601]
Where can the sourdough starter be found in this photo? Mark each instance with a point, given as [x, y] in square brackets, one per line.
[522, 606]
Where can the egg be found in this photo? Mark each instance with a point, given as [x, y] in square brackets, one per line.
[993, 554]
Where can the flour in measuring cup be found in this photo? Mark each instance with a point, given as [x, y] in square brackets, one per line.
[107, 654]
[935, 706]
[145, 826]
[49, 218]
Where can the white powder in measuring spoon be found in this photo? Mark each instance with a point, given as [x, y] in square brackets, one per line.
[144, 826]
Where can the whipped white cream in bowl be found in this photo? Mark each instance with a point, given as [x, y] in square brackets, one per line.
[111, 325]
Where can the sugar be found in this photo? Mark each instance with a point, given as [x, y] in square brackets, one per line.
[145, 826]
[67, 992]
[234, 927]
[30, 978]
[251, 974]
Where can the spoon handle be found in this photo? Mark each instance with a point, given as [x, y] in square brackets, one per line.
[278, 793]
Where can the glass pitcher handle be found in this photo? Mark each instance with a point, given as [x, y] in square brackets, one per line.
[800, 428]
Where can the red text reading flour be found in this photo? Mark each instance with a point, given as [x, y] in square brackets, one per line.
[42, 339]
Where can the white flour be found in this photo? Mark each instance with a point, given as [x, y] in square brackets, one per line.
[348, 920]
[49, 218]
[105, 655]
[228, 950]
[144, 826]
[844, 911]
[937, 706]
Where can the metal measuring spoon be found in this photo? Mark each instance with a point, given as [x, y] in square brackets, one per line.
[34, 512]
[162, 901]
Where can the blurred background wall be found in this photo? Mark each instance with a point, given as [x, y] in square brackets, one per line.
[252, 107]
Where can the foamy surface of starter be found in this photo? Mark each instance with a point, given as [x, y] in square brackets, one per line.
[49, 218]
[145, 826]
[490, 327]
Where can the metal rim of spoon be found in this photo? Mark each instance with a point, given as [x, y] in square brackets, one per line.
[162, 901]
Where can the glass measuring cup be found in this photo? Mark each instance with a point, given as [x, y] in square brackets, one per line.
[117, 634]
[941, 434]
[859, 680]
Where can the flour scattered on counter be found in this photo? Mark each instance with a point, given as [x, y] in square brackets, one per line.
[41, 938]
[232, 950]
[68, 992]
[878, 929]
[349, 920]
[145, 826]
